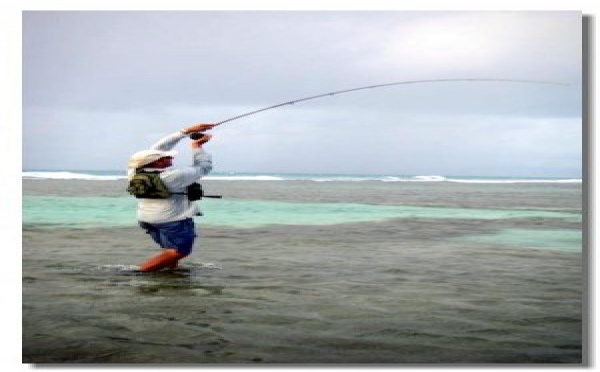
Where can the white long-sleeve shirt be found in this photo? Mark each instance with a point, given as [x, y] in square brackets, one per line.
[176, 207]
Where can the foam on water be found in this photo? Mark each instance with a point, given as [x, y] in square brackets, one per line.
[135, 268]
[120, 175]
[245, 178]
[116, 267]
[72, 176]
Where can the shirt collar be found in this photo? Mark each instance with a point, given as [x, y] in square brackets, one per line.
[155, 169]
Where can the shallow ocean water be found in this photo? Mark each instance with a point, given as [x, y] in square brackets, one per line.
[120, 211]
[444, 273]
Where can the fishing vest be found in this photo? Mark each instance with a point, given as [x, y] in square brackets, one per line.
[149, 185]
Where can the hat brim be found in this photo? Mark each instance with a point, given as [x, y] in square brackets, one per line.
[169, 154]
[150, 158]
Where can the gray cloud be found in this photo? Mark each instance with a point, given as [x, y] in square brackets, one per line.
[116, 81]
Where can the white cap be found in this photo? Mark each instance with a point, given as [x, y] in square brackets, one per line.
[144, 157]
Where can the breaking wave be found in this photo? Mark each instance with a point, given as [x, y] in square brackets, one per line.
[116, 175]
[72, 176]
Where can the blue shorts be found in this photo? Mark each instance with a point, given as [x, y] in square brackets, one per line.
[177, 235]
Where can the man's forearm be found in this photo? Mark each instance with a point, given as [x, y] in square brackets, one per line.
[167, 143]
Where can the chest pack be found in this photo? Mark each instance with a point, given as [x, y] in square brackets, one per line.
[149, 185]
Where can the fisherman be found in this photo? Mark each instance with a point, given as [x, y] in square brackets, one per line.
[169, 221]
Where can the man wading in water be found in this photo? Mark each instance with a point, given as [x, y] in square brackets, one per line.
[164, 209]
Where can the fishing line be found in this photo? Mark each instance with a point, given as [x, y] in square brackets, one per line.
[380, 86]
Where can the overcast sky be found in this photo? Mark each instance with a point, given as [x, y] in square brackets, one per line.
[98, 86]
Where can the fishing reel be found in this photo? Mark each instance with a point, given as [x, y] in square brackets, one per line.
[196, 135]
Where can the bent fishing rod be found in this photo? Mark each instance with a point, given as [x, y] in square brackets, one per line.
[199, 135]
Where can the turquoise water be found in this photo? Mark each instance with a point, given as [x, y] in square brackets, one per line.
[561, 239]
[120, 211]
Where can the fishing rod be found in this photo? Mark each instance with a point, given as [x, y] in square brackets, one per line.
[199, 135]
